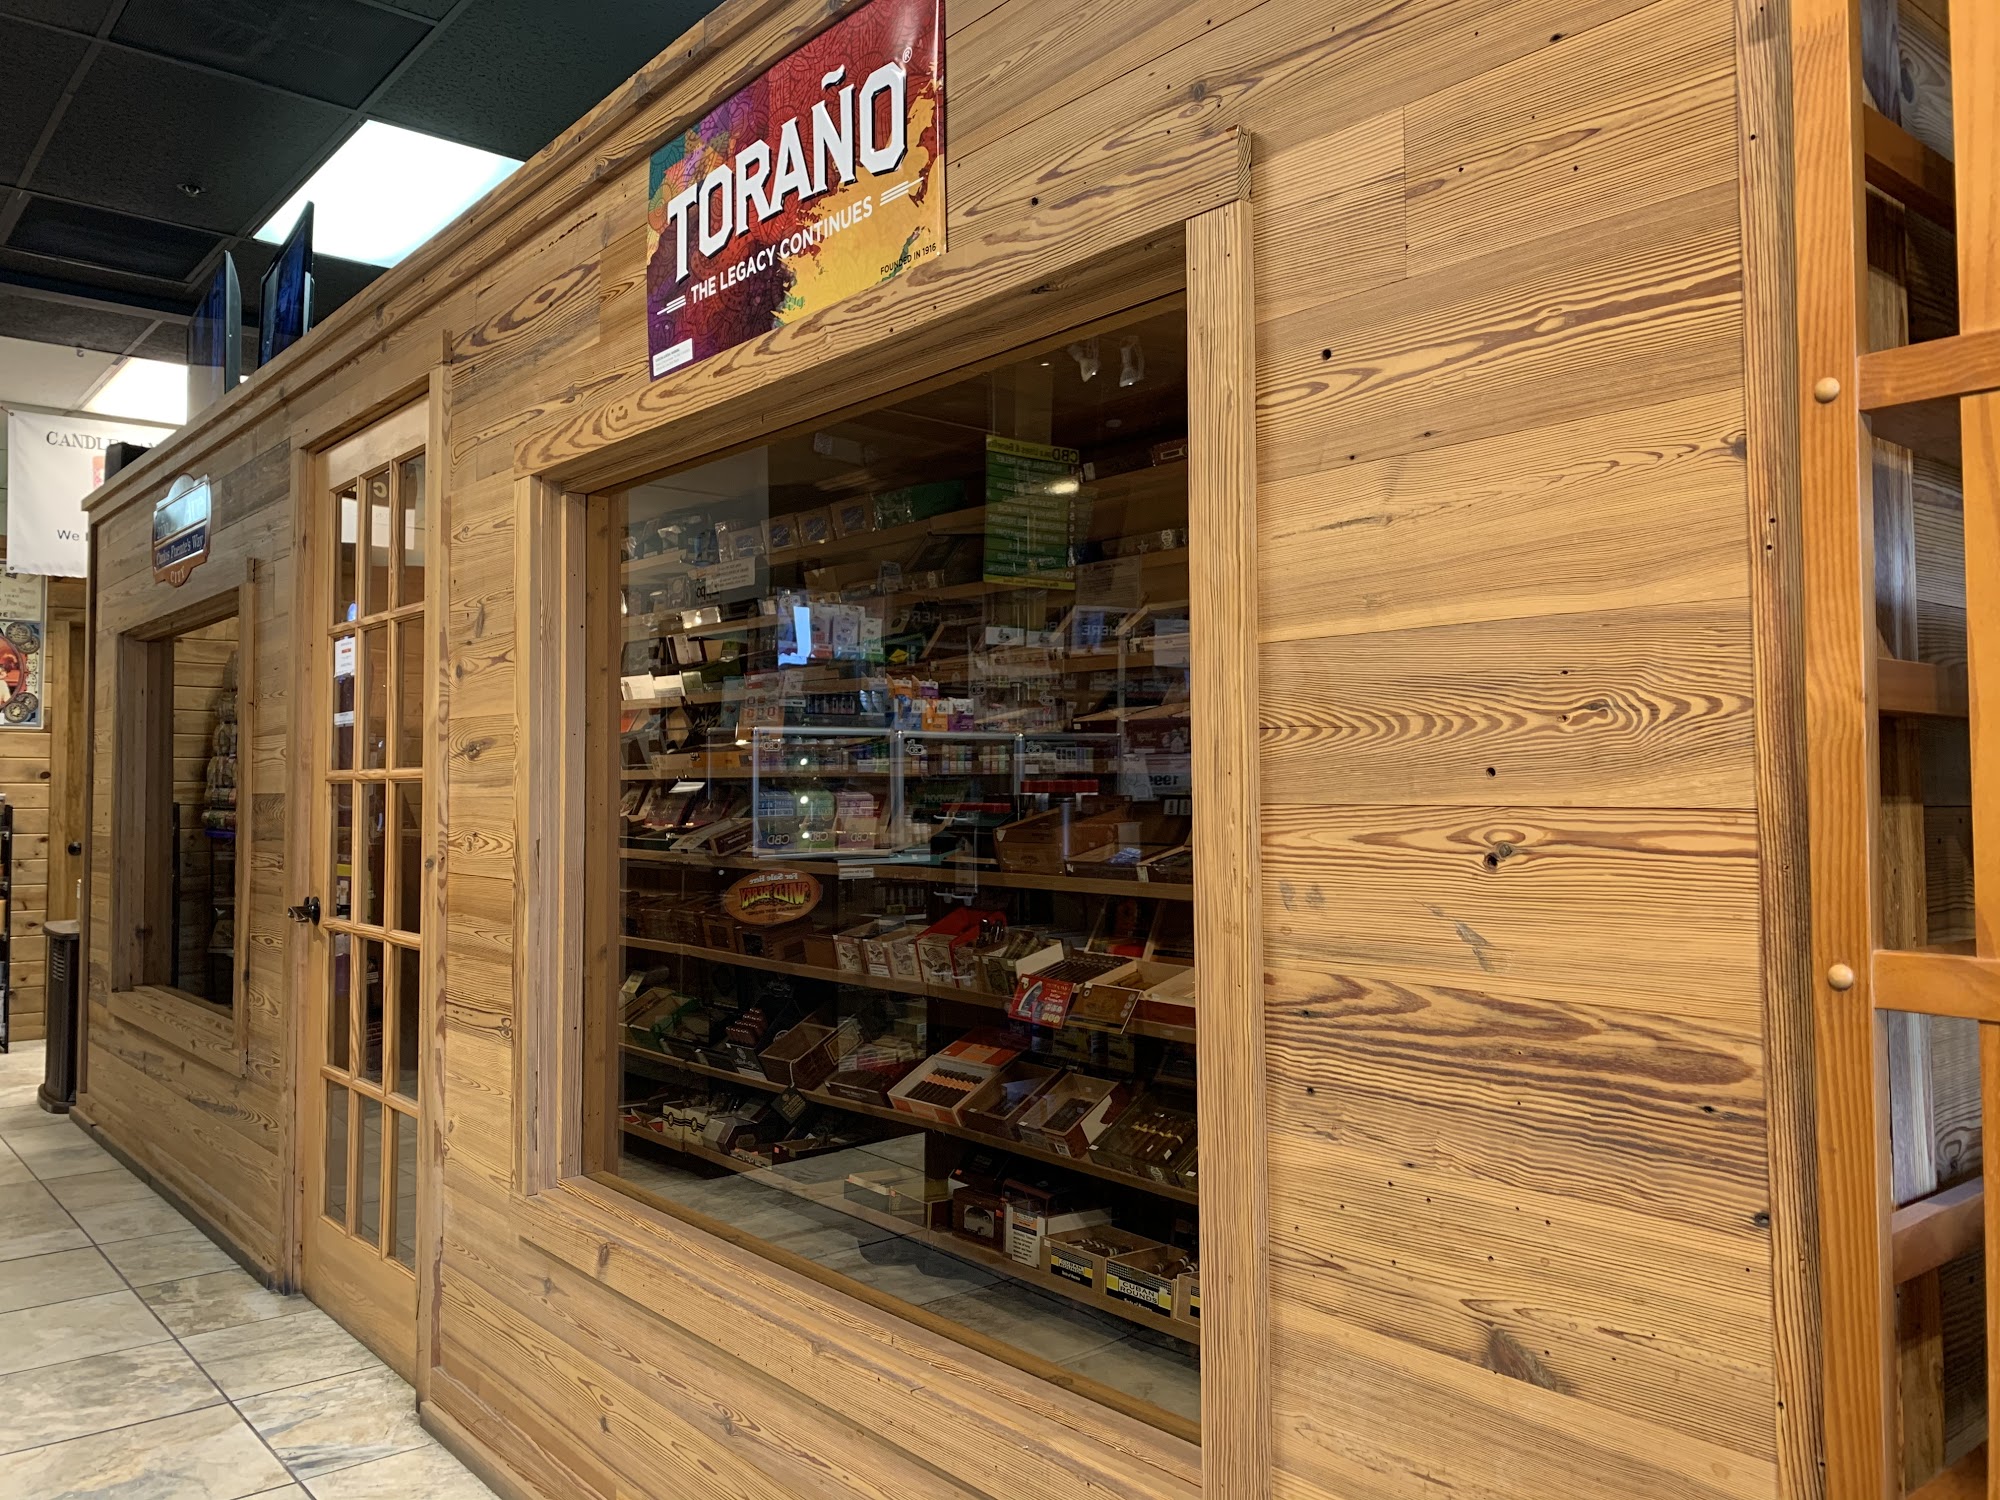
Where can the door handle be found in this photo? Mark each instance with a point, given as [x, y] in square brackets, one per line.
[306, 911]
[75, 848]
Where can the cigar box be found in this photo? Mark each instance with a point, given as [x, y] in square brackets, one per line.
[1044, 843]
[1081, 1256]
[940, 1086]
[1109, 1003]
[805, 1056]
[997, 1104]
[1071, 1114]
[1147, 1278]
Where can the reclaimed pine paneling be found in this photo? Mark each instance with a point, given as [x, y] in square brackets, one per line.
[1514, 961]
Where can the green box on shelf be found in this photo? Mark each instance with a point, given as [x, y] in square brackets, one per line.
[918, 502]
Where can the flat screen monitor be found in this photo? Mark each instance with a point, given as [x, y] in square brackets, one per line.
[215, 339]
[286, 304]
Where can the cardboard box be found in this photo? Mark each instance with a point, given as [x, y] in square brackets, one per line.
[1109, 1003]
[944, 950]
[1153, 1138]
[805, 1056]
[890, 950]
[1046, 986]
[1147, 1279]
[1044, 843]
[939, 1086]
[1187, 1298]
[999, 963]
[850, 951]
[979, 1217]
[1028, 1226]
[822, 950]
[1071, 1114]
[998, 1103]
[1081, 1256]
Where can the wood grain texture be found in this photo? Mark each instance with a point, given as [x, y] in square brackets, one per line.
[1228, 786]
[1513, 413]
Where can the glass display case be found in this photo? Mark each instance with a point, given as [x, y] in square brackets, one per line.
[898, 903]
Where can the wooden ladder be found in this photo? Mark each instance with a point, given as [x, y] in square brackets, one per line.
[1941, 398]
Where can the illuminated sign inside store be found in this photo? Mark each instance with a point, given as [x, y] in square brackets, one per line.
[823, 178]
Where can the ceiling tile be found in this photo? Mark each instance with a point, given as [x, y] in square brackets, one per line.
[437, 10]
[141, 126]
[98, 237]
[78, 15]
[81, 327]
[330, 49]
[35, 67]
[503, 78]
[48, 374]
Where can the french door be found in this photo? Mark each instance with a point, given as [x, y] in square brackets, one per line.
[366, 1003]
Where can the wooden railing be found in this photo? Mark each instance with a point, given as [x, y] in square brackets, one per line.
[1940, 400]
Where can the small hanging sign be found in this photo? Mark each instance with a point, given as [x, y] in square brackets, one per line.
[180, 530]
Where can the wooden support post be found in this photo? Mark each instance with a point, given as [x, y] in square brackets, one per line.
[1836, 485]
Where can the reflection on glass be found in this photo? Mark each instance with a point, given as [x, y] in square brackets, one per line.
[371, 1010]
[409, 1020]
[343, 703]
[368, 1190]
[407, 798]
[410, 527]
[336, 1153]
[346, 602]
[342, 850]
[375, 697]
[898, 923]
[340, 982]
[381, 528]
[372, 894]
[199, 818]
[406, 1189]
[410, 694]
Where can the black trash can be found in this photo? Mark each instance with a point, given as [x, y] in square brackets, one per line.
[58, 1090]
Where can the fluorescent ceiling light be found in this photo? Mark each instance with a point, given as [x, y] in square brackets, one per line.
[146, 390]
[387, 191]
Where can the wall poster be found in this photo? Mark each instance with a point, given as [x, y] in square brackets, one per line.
[24, 599]
[821, 179]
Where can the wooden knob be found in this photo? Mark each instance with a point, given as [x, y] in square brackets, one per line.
[1841, 977]
[1826, 390]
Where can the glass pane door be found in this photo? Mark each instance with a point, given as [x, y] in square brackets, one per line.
[366, 1041]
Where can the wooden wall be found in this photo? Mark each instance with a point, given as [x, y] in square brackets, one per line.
[1524, 1174]
[48, 812]
[197, 1098]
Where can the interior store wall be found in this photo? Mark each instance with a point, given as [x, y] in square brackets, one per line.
[46, 819]
[198, 1099]
[1522, 1182]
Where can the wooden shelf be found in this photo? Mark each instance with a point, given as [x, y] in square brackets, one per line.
[1920, 689]
[1934, 1231]
[889, 868]
[829, 1195]
[1902, 167]
[952, 523]
[1159, 1021]
[1964, 1480]
[912, 1123]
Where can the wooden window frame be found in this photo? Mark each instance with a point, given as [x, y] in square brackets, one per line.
[1060, 263]
[217, 1034]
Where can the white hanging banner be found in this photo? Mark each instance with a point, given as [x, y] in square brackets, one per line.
[52, 463]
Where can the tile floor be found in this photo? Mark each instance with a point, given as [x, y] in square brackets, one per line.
[138, 1362]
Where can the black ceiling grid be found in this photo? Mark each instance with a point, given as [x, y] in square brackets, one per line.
[143, 138]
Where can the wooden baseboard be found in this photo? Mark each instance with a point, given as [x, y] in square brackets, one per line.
[79, 1112]
[493, 1471]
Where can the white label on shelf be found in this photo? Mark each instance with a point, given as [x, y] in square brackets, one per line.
[857, 872]
[639, 689]
[737, 573]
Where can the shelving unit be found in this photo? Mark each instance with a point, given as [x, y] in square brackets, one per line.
[898, 1117]
[938, 1239]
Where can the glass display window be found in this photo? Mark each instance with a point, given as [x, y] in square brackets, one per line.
[894, 897]
[182, 802]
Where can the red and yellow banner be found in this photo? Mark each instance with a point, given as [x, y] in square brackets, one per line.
[821, 179]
